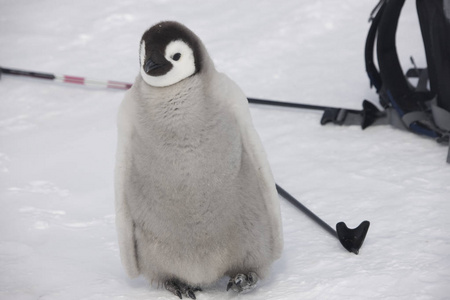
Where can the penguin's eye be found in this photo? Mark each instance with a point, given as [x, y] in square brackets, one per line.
[176, 56]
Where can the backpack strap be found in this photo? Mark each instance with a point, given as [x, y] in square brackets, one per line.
[371, 69]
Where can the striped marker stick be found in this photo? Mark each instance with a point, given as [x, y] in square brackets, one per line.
[69, 79]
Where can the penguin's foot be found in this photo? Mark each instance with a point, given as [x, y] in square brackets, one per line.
[242, 283]
[179, 289]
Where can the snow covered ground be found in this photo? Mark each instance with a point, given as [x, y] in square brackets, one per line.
[57, 233]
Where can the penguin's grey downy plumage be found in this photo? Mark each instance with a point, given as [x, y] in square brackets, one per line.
[195, 196]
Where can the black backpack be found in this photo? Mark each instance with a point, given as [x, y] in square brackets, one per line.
[419, 109]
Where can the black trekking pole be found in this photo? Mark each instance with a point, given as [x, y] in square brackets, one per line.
[351, 239]
[339, 116]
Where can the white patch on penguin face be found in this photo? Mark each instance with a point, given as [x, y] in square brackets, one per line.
[180, 55]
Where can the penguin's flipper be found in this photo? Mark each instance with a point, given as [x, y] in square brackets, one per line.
[124, 222]
[253, 147]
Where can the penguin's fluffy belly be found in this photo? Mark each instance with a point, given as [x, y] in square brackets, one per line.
[182, 227]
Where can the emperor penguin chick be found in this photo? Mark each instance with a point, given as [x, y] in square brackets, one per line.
[195, 196]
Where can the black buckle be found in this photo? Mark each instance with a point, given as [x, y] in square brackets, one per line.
[341, 116]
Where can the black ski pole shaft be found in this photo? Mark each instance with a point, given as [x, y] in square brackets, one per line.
[350, 239]
[305, 210]
[27, 73]
[294, 105]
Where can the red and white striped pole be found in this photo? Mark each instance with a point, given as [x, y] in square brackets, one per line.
[69, 79]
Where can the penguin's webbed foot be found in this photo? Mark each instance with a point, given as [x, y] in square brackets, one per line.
[179, 289]
[243, 283]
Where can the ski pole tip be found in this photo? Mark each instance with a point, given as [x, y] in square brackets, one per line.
[352, 239]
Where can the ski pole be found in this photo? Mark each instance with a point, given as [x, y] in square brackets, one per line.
[339, 116]
[293, 105]
[365, 117]
[351, 239]
[68, 79]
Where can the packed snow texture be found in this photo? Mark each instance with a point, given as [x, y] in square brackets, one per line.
[57, 232]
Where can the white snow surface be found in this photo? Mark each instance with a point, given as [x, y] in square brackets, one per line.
[58, 141]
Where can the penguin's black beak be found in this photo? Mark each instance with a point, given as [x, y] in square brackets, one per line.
[150, 65]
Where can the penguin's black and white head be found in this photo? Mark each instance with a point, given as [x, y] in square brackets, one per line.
[169, 53]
